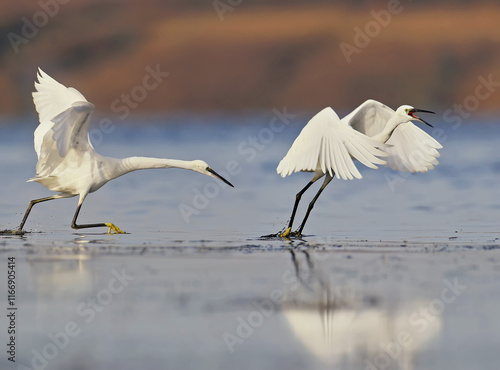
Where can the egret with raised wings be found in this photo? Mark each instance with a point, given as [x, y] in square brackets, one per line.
[372, 134]
[67, 161]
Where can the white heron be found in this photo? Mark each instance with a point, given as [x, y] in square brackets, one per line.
[327, 146]
[67, 161]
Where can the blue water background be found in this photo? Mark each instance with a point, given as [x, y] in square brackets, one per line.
[369, 284]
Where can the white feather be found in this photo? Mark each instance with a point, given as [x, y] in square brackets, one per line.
[51, 98]
[329, 145]
[410, 148]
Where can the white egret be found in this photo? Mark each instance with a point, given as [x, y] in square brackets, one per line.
[327, 146]
[67, 161]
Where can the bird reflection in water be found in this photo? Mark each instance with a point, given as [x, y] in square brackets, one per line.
[59, 282]
[344, 328]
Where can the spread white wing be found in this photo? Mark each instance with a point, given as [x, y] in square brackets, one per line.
[410, 148]
[369, 118]
[329, 145]
[64, 122]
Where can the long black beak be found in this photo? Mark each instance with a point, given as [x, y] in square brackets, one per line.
[418, 118]
[219, 177]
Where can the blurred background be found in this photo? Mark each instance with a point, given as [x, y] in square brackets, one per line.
[219, 80]
[248, 55]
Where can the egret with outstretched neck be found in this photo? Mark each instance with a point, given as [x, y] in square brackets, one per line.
[67, 161]
[372, 134]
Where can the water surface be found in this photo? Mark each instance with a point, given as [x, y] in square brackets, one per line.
[395, 271]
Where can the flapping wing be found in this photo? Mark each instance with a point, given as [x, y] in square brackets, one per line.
[328, 144]
[69, 130]
[64, 118]
[51, 98]
[411, 149]
[369, 118]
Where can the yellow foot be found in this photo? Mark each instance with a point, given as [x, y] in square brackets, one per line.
[286, 233]
[114, 228]
[12, 232]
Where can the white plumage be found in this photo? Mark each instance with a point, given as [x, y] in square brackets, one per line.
[51, 98]
[410, 148]
[372, 134]
[67, 161]
[327, 144]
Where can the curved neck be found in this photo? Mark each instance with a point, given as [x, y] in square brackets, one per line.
[390, 126]
[130, 164]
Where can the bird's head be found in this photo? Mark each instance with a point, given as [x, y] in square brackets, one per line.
[204, 168]
[408, 113]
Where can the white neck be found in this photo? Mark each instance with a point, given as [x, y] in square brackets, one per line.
[126, 165]
[390, 126]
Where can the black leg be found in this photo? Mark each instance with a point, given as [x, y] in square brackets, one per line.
[32, 203]
[328, 178]
[85, 226]
[286, 233]
[297, 200]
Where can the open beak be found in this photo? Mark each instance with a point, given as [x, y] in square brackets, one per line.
[219, 177]
[412, 114]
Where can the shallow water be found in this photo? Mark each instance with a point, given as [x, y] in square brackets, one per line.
[395, 271]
